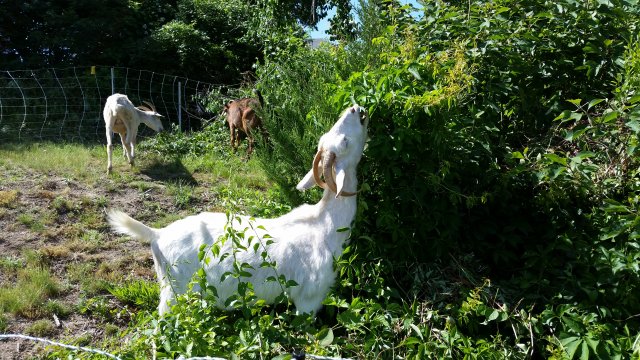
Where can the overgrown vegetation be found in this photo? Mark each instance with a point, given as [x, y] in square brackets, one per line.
[498, 209]
[503, 139]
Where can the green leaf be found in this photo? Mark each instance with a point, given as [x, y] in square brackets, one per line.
[556, 159]
[412, 341]
[349, 319]
[572, 324]
[581, 156]
[325, 337]
[634, 99]
[517, 155]
[570, 345]
[282, 357]
[610, 116]
[593, 344]
[494, 315]
[594, 102]
[584, 351]
[417, 331]
[201, 273]
[634, 125]
[414, 72]
[575, 102]
[563, 115]
[201, 252]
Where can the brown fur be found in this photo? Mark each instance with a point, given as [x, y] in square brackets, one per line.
[243, 120]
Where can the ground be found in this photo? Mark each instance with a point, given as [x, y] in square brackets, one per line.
[55, 221]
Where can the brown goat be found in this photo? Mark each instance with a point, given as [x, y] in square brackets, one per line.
[243, 120]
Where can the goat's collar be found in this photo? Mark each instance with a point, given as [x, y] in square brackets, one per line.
[347, 193]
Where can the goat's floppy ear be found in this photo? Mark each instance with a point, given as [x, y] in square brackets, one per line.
[307, 181]
[340, 175]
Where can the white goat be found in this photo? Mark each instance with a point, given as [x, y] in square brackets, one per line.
[305, 241]
[122, 117]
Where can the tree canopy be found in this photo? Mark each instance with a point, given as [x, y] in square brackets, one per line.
[213, 41]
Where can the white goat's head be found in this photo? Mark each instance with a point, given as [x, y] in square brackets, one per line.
[152, 118]
[339, 151]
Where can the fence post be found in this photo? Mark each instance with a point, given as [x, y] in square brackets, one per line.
[180, 105]
[113, 86]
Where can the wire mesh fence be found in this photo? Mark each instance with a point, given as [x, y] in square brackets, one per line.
[66, 104]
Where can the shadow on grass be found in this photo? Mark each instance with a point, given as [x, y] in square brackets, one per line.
[168, 170]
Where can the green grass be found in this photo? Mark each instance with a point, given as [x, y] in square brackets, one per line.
[31, 222]
[10, 263]
[233, 170]
[72, 160]
[85, 275]
[28, 296]
[3, 323]
[63, 205]
[42, 327]
[182, 192]
[140, 293]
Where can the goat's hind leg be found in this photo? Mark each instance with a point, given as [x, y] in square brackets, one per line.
[234, 137]
[251, 141]
[109, 150]
[131, 141]
[126, 150]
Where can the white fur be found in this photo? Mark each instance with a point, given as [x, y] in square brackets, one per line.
[121, 116]
[305, 241]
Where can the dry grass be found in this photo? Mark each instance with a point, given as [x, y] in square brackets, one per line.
[9, 198]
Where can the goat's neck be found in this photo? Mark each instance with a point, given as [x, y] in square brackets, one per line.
[339, 212]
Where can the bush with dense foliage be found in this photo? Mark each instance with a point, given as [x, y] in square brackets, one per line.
[505, 131]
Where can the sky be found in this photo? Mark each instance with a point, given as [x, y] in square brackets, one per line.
[323, 25]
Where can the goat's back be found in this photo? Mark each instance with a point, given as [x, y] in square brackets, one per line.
[298, 252]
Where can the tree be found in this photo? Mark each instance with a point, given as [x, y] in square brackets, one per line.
[342, 26]
[68, 32]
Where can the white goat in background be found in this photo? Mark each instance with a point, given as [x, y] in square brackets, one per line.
[305, 241]
[122, 117]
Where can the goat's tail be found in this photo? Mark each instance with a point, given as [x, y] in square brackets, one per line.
[125, 224]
